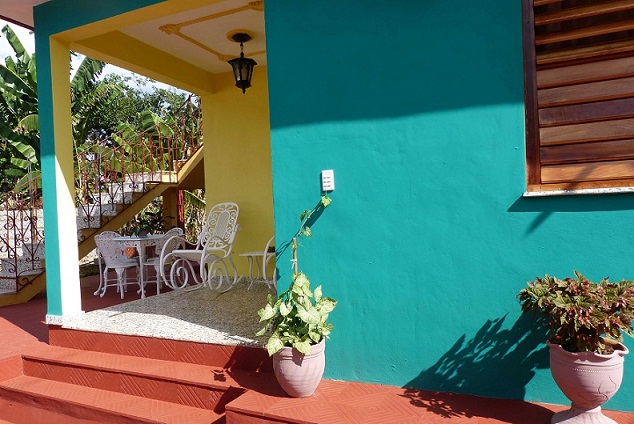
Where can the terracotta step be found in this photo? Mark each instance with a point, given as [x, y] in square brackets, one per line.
[186, 384]
[221, 356]
[61, 385]
[17, 413]
[95, 405]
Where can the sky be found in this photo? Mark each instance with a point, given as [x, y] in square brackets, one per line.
[25, 36]
[27, 39]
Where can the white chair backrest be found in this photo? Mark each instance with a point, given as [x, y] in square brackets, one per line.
[173, 243]
[109, 249]
[220, 226]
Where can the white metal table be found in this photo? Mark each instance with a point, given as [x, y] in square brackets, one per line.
[255, 258]
[140, 243]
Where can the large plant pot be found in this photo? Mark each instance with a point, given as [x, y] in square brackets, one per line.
[588, 380]
[299, 374]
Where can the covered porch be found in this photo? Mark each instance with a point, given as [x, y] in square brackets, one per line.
[186, 45]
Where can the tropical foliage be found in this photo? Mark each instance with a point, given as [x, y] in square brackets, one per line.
[582, 316]
[19, 129]
[19, 142]
[194, 213]
[100, 107]
[146, 128]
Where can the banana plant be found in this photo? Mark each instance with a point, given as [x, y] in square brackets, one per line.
[19, 123]
[18, 109]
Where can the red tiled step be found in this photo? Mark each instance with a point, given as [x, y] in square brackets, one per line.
[192, 385]
[17, 413]
[95, 405]
[222, 356]
[350, 402]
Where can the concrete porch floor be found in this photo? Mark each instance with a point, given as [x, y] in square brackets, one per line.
[192, 314]
[22, 329]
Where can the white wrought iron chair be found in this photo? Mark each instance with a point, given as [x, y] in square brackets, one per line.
[100, 262]
[113, 258]
[211, 253]
[171, 240]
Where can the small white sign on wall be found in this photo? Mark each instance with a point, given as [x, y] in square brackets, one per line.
[328, 180]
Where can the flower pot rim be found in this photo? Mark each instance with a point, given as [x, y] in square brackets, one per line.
[315, 349]
[619, 350]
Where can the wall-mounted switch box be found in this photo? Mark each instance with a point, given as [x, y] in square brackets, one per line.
[328, 180]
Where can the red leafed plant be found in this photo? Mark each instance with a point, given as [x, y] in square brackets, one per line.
[582, 316]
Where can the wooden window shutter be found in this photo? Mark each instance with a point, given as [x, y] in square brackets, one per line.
[579, 62]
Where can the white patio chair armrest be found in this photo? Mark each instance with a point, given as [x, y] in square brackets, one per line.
[168, 250]
[213, 254]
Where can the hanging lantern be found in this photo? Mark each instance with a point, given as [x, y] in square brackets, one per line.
[242, 66]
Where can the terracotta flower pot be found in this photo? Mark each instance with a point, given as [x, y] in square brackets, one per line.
[299, 374]
[588, 380]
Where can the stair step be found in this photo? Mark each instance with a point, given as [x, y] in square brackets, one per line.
[99, 405]
[14, 412]
[236, 357]
[191, 385]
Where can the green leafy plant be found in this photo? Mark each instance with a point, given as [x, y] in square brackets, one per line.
[150, 220]
[298, 317]
[582, 316]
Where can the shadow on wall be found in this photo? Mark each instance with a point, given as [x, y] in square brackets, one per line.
[496, 363]
[546, 206]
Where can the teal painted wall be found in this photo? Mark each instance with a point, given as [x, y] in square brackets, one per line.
[418, 108]
[56, 16]
[51, 18]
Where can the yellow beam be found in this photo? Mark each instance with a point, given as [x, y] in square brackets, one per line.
[146, 60]
[169, 7]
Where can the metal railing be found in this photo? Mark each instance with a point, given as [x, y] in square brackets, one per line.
[21, 237]
[108, 175]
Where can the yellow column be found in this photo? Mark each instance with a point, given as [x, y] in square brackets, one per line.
[61, 247]
[170, 207]
[238, 158]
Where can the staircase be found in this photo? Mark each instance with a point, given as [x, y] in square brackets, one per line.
[105, 378]
[110, 189]
[62, 385]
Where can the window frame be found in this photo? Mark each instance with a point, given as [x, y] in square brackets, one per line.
[533, 145]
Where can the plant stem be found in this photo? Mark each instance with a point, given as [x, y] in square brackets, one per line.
[295, 255]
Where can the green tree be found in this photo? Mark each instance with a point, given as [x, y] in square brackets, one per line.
[19, 125]
[136, 101]
[20, 144]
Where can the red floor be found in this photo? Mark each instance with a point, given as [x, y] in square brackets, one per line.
[22, 326]
[22, 329]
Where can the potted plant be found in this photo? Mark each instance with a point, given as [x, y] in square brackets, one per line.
[297, 323]
[151, 220]
[586, 321]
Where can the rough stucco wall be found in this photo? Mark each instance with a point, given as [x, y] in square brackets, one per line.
[418, 108]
